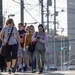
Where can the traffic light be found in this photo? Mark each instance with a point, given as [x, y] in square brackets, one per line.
[50, 2]
[62, 48]
[56, 13]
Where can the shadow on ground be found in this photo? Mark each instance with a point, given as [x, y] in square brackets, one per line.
[50, 73]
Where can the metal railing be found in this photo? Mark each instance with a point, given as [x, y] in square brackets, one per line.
[69, 62]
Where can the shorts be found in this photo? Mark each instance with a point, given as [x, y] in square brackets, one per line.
[20, 53]
[12, 52]
[25, 53]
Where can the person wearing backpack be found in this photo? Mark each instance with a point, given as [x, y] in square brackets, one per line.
[40, 47]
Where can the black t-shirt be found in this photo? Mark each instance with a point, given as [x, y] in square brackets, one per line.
[21, 32]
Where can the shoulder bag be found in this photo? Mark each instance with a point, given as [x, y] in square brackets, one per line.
[5, 47]
[31, 47]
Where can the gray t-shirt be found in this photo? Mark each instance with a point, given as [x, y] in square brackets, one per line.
[39, 45]
[6, 30]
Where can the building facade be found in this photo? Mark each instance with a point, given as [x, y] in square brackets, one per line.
[71, 28]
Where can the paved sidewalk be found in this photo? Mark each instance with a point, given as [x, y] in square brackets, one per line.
[45, 73]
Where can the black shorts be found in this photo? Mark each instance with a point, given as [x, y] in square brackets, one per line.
[12, 52]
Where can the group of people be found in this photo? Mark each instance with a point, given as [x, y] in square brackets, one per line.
[18, 53]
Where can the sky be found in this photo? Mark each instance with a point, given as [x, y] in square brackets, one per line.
[33, 7]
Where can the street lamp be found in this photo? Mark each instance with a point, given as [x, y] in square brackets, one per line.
[12, 15]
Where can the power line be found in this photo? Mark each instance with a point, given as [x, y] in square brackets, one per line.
[30, 14]
[70, 21]
[31, 4]
[33, 8]
[69, 25]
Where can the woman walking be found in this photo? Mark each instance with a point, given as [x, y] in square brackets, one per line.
[31, 54]
[25, 53]
[40, 47]
[11, 55]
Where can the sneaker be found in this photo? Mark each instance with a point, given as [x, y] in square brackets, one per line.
[9, 71]
[28, 69]
[20, 70]
[41, 70]
[24, 68]
[13, 70]
[4, 70]
[1, 70]
[34, 70]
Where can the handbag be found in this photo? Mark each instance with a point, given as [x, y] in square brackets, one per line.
[5, 47]
[31, 46]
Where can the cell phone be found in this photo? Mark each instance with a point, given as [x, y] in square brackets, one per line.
[38, 37]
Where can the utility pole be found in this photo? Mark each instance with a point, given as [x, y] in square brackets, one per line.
[42, 14]
[49, 3]
[61, 53]
[1, 15]
[55, 57]
[64, 54]
[47, 17]
[22, 10]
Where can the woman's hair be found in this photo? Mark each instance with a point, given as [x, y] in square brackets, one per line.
[40, 25]
[9, 21]
[28, 28]
[32, 26]
[6, 23]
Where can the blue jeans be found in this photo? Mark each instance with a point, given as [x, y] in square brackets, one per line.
[32, 60]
